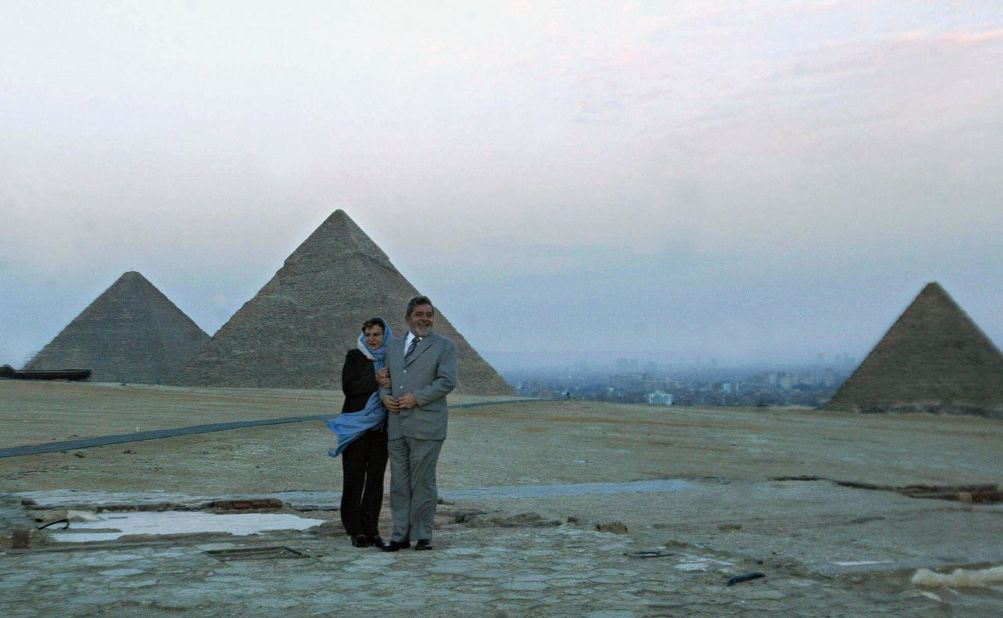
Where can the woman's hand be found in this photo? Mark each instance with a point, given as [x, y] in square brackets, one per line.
[383, 378]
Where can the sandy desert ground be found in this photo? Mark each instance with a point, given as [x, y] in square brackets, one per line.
[506, 444]
[776, 489]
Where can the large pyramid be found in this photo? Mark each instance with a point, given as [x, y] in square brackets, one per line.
[933, 358]
[295, 332]
[130, 333]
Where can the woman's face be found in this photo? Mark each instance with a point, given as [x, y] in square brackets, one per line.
[374, 337]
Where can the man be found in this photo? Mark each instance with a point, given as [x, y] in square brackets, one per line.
[422, 369]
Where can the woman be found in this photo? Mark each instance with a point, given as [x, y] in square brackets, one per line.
[362, 435]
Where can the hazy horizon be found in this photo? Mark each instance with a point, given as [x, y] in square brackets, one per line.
[756, 181]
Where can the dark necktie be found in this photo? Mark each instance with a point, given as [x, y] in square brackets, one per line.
[410, 348]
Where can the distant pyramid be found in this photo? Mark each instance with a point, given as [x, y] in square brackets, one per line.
[295, 332]
[933, 358]
[131, 333]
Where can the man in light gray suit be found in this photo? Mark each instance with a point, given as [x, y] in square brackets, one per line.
[422, 369]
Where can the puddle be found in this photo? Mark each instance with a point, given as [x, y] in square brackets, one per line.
[111, 526]
[578, 489]
[329, 500]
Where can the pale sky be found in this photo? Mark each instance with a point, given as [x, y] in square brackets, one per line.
[756, 181]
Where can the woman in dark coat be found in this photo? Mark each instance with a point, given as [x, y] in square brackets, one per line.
[362, 436]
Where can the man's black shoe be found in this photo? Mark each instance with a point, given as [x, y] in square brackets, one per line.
[395, 545]
[359, 540]
[423, 545]
[376, 541]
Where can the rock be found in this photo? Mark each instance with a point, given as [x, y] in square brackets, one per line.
[466, 515]
[82, 516]
[616, 527]
[49, 515]
[20, 538]
[521, 520]
[746, 577]
[327, 529]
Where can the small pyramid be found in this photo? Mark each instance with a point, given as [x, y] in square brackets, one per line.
[296, 330]
[934, 358]
[130, 333]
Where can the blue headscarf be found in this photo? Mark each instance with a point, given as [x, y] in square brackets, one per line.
[348, 427]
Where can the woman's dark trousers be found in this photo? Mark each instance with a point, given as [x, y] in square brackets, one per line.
[364, 461]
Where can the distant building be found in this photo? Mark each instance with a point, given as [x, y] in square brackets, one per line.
[628, 364]
[658, 398]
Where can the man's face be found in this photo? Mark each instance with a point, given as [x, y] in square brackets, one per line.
[420, 320]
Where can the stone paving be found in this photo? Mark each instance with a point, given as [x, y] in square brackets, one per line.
[561, 571]
[809, 500]
[488, 561]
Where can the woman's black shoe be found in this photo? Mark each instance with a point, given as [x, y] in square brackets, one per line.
[360, 541]
[376, 541]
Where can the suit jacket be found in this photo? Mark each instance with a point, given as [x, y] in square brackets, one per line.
[430, 373]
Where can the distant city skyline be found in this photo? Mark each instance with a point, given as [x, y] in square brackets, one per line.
[756, 181]
[612, 360]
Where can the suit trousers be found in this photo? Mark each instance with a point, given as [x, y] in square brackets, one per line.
[364, 462]
[413, 493]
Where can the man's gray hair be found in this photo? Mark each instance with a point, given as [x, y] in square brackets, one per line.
[418, 300]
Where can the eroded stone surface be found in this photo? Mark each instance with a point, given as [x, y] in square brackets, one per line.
[584, 574]
[826, 549]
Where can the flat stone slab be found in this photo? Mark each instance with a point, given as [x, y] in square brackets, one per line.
[823, 528]
[75, 498]
[587, 575]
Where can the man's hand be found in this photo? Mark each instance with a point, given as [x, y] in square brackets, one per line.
[391, 404]
[383, 378]
[407, 402]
